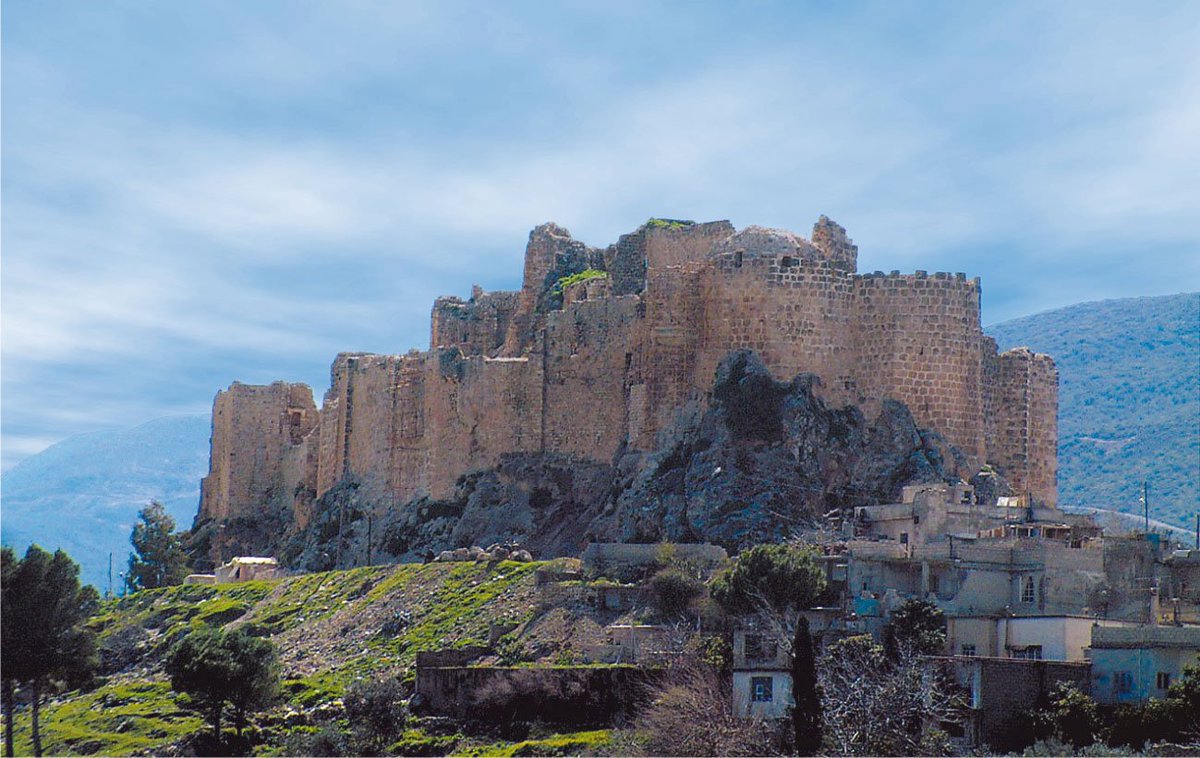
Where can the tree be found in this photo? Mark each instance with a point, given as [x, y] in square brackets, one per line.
[692, 715]
[216, 668]
[779, 578]
[806, 711]
[1071, 716]
[918, 627]
[158, 559]
[45, 641]
[9, 660]
[874, 705]
[773, 582]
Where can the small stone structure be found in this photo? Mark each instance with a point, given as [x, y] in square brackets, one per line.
[1002, 692]
[246, 569]
[614, 559]
[1132, 664]
[762, 676]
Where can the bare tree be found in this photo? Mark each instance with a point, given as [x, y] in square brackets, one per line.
[872, 705]
[692, 715]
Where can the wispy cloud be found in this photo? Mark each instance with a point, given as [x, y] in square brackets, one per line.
[280, 185]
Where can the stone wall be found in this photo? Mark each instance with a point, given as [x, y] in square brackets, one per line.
[255, 429]
[579, 695]
[1025, 436]
[477, 326]
[916, 340]
[609, 365]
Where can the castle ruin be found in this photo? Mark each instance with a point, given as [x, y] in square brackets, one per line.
[601, 350]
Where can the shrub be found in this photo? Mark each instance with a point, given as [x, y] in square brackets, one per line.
[673, 592]
[375, 712]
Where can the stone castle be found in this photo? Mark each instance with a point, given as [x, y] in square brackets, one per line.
[601, 350]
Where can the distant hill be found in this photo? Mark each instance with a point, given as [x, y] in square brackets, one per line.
[1129, 400]
[83, 494]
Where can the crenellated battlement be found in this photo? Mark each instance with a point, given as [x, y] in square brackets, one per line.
[603, 350]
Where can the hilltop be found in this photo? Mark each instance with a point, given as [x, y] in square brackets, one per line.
[1129, 400]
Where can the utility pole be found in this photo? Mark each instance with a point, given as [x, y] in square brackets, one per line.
[1146, 503]
[110, 591]
[368, 539]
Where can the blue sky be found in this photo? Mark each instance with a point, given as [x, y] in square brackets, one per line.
[195, 193]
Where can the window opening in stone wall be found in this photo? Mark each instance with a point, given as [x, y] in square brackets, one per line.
[1162, 680]
[787, 261]
[761, 689]
[737, 259]
[1124, 682]
[1027, 590]
[758, 649]
[1027, 653]
[968, 650]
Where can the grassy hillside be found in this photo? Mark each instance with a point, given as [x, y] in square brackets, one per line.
[1129, 400]
[332, 628]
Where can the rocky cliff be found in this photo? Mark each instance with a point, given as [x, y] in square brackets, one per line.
[766, 459]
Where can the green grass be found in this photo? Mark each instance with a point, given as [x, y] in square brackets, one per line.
[582, 276]
[669, 223]
[446, 605]
[573, 743]
[116, 719]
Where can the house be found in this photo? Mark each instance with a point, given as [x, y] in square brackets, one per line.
[247, 569]
[762, 678]
[1133, 664]
[1004, 690]
[1035, 637]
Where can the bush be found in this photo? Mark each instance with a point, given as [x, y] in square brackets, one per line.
[375, 712]
[673, 592]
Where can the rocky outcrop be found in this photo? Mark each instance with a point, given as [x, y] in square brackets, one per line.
[768, 458]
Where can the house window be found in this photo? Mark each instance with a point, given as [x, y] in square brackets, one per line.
[1124, 682]
[761, 689]
[1027, 653]
[1027, 590]
[903, 538]
[758, 649]
[968, 650]
[1162, 680]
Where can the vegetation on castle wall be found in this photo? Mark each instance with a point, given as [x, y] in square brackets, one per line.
[561, 285]
[669, 223]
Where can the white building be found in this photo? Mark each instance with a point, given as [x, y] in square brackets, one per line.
[762, 679]
[1035, 638]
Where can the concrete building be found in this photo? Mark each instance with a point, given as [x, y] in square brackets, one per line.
[247, 569]
[762, 679]
[1004, 690]
[1051, 638]
[1133, 664]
